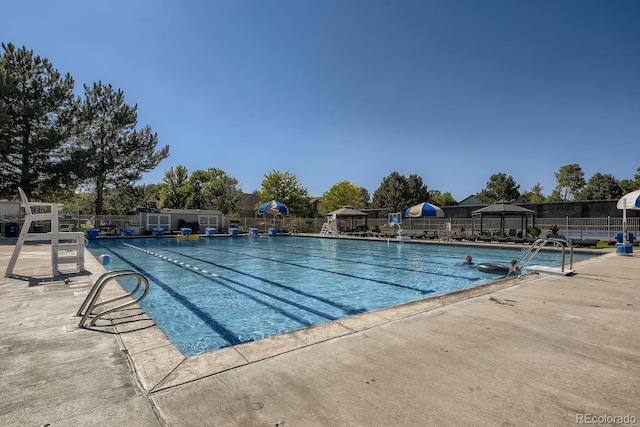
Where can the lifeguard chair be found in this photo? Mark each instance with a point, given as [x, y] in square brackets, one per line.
[67, 247]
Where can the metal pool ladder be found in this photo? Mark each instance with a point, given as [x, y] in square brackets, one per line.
[562, 242]
[90, 303]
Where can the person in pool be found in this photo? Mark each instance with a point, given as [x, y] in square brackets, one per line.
[468, 260]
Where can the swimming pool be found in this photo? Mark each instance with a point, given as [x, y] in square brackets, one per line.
[211, 293]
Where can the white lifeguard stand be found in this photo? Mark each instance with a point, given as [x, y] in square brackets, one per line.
[330, 228]
[69, 244]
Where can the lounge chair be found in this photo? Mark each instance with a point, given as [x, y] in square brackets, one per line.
[516, 239]
[484, 238]
[585, 243]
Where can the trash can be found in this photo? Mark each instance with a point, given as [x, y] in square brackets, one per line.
[11, 229]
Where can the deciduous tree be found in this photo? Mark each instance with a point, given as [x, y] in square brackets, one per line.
[213, 189]
[342, 193]
[570, 180]
[441, 199]
[173, 193]
[285, 188]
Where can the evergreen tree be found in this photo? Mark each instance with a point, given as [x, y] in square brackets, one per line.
[535, 194]
[629, 185]
[397, 193]
[601, 187]
[113, 152]
[499, 187]
[37, 109]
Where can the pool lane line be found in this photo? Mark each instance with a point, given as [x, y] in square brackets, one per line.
[214, 276]
[375, 255]
[209, 321]
[213, 324]
[353, 276]
[413, 270]
[347, 309]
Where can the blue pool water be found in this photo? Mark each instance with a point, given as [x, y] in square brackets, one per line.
[211, 293]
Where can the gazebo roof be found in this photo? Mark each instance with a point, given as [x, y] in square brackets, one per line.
[503, 208]
[347, 211]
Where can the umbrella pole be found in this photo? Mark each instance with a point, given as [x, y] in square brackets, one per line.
[625, 237]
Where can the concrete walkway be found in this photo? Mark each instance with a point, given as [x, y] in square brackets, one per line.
[541, 350]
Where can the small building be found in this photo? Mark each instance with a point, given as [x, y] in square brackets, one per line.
[175, 219]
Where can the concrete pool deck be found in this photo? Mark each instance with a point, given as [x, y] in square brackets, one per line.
[543, 350]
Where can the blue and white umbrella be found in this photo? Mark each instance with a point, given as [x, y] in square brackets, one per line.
[273, 208]
[424, 209]
[628, 201]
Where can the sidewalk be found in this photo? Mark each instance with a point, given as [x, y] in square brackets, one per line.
[543, 350]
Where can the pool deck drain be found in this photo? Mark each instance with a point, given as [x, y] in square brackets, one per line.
[537, 350]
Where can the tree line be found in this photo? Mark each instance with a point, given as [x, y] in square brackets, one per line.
[89, 152]
[54, 144]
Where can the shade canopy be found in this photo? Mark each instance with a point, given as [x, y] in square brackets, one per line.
[502, 209]
[347, 211]
[273, 208]
[424, 209]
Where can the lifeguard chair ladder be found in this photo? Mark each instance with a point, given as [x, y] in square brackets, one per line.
[69, 244]
[329, 228]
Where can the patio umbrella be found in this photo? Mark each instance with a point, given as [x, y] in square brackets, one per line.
[274, 208]
[424, 209]
[628, 201]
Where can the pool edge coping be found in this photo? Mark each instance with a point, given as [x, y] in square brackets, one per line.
[159, 366]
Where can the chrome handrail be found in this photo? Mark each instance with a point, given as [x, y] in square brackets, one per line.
[90, 303]
[539, 244]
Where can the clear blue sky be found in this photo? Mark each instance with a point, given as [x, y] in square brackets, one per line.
[331, 90]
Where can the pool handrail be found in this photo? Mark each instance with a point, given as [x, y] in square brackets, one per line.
[563, 242]
[90, 303]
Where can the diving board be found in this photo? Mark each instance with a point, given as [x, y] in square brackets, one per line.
[550, 270]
